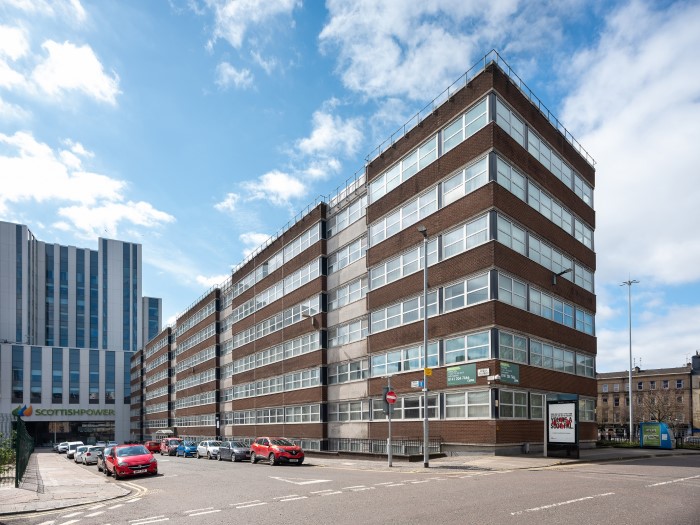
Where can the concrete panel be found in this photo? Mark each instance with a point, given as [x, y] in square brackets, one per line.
[347, 352]
[346, 236]
[347, 429]
[348, 391]
[347, 274]
[347, 312]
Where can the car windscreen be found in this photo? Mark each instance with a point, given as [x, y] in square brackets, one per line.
[136, 450]
[282, 442]
[189, 444]
[238, 444]
[215, 443]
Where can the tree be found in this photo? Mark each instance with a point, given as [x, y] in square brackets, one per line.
[659, 405]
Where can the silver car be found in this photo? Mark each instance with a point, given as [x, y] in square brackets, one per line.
[89, 457]
[208, 449]
[78, 454]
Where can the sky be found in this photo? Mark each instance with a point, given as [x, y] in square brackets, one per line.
[198, 128]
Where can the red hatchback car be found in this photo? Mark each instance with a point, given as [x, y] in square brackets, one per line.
[130, 460]
[276, 450]
[153, 446]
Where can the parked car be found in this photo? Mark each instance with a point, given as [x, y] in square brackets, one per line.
[186, 448]
[169, 446]
[234, 451]
[130, 460]
[276, 450]
[89, 457]
[112, 444]
[101, 444]
[72, 446]
[78, 454]
[101, 458]
[62, 447]
[208, 449]
[152, 446]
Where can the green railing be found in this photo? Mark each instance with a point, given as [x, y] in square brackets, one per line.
[24, 446]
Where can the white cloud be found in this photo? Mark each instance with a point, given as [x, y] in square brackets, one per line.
[9, 77]
[275, 186]
[252, 241]
[228, 76]
[331, 134]
[68, 67]
[93, 221]
[268, 65]
[70, 9]
[13, 42]
[228, 205]
[232, 18]
[11, 112]
[211, 281]
[636, 102]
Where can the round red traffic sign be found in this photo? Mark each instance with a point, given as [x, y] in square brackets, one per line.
[391, 397]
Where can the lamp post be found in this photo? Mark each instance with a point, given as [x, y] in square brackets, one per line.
[426, 433]
[629, 284]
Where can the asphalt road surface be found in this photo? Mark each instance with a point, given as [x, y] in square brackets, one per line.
[201, 492]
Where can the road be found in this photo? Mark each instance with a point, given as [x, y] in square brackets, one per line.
[201, 492]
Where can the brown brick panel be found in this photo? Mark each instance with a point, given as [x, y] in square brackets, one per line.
[442, 116]
[528, 270]
[206, 343]
[450, 270]
[519, 320]
[196, 390]
[211, 408]
[155, 356]
[199, 367]
[157, 415]
[538, 224]
[159, 368]
[288, 430]
[197, 431]
[200, 325]
[474, 147]
[302, 362]
[536, 119]
[157, 384]
[303, 396]
[463, 320]
[457, 212]
[534, 377]
[292, 233]
[450, 431]
[196, 307]
[521, 159]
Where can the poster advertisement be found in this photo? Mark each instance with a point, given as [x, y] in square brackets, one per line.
[562, 422]
[461, 375]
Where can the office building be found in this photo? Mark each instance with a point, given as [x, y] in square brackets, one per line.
[302, 339]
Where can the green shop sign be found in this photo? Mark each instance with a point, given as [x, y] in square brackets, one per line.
[510, 373]
[461, 375]
[74, 411]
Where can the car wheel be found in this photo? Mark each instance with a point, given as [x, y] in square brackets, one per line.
[253, 459]
[300, 462]
[116, 473]
[208, 455]
[106, 471]
[218, 458]
[272, 460]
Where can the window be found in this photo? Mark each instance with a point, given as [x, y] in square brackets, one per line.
[408, 408]
[586, 409]
[57, 375]
[605, 387]
[652, 385]
[346, 216]
[400, 172]
[35, 385]
[511, 179]
[465, 237]
[403, 265]
[537, 406]
[467, 348]
[616, 401]
[511, 347]
[347, 255]
[347, 333]
[465, 181]
[512, 291]
[403, 360]
[301, 243]
[616, 387]
[348, 371]
[605, 400]
[17, 374]
[467, 405]
[510, 123]
[584, 365]
[640, 385]
[679, 383]
[348, 411]
[471, 291]
[347, 294]
[513, 404]
[511, 235]
[74, 376]
[405, 216]
[402, 313]
[465, 126]
[664, 384]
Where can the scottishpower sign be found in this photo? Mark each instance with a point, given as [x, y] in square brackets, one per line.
[28, 411]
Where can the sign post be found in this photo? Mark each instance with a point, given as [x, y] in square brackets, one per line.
[389, 400]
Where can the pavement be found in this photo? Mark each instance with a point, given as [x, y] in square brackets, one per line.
[52, 482]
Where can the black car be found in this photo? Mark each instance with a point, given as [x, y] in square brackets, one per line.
[234, 451]
[101, 458]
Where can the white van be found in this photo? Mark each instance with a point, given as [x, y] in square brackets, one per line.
[72, 445]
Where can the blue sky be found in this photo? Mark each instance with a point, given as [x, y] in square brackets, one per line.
[200, 127]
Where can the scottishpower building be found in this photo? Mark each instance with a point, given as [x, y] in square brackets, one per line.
[70, 320]
[486, 188]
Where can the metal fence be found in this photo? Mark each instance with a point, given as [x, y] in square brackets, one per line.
[7, 451]
[24, 446]
[399, 446]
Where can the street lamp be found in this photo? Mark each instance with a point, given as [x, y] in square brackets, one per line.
[426, 453]
[629, 284]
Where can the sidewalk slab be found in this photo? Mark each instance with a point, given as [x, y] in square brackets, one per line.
[53, 482]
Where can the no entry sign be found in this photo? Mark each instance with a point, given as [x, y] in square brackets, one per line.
[391, 397]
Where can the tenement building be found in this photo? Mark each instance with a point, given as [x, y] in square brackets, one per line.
[70, 320]
[307, 332]
[660, 394]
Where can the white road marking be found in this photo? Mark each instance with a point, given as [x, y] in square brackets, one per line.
[133, 500]
[396, 485]
[321, 491]
[295, 498]
[94, 514]
[205, 512]
[47, 523]
[422, 481]
[197, 510]
[301, 481]
[98, 506]
[244, 502]
[116, 506]
[332, 493]
[384, 483]
[149, 518]
[545, 507]
[348, 464]
[73, 515]
[252, 505]
[364, 488]
[673, 481]
[287, 496]
[152, 521]
[69, 522]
